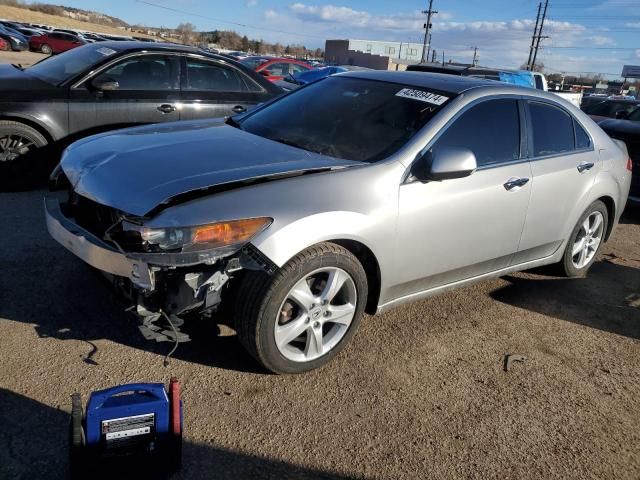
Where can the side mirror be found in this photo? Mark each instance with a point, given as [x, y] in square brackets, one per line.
[105, 85]
[265, 73]
[444, 164]
[621, 114]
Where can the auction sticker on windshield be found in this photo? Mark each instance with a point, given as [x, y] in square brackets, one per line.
[422, 96]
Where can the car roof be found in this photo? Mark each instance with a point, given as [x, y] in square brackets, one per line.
[435, 81]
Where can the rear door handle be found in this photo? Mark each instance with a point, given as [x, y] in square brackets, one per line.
[166, 108]
[584, 166]
[515, 183]
[239, 109]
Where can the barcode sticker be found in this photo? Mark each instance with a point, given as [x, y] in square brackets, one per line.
[422, 96]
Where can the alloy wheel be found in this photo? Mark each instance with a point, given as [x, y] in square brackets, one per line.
[13, 146]
[587, 240]
[316, 314]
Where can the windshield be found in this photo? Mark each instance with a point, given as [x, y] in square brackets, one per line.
[609, 108]
[253, 62]
[59, 68]
[347, 118]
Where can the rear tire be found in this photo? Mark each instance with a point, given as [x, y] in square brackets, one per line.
[46, 49]
[585, 241]
[325, 325]
[22, 162]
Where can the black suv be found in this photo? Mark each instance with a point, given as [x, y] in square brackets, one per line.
[108, 85]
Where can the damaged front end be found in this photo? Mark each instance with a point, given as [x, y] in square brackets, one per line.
[175, 270]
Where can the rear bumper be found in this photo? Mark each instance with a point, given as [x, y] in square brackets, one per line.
[93, 250]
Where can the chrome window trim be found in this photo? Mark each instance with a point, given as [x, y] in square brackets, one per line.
[243, 76]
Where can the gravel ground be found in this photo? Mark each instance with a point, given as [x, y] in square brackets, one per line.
[420, 393]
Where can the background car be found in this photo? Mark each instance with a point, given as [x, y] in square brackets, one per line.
[609, 108]
[55, 42]
[627, 129]
[274, 68]
[16, 40]
[357, 192]
[107, 85]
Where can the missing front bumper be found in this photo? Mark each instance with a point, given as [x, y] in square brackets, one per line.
[93, 250]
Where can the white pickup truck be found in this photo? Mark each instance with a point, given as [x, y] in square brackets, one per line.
[541, 84]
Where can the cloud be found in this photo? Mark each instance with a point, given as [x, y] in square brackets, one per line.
[252, 3]
[600, 40]
[358, 18]
[632, 24]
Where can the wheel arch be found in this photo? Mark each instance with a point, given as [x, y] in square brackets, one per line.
[610, 203]
[41, 129]
[371, 267]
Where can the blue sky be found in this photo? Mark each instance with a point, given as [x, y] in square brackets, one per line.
[500, 28]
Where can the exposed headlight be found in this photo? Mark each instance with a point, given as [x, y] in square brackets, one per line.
[222, 235]
[17, 40]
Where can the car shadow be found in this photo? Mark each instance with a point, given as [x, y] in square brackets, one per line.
[45, 285]
[602, 300]
[34, 444]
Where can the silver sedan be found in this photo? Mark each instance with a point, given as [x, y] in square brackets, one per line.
[353, 194]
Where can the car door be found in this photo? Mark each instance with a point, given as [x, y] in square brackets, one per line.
[142, 88]
[564, 166]
[212, 89]
[457, 229]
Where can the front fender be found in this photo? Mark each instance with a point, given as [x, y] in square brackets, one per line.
[283, 244]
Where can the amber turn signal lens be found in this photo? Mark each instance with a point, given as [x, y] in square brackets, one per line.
[227, 233]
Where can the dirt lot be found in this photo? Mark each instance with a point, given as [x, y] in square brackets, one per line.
[420, 393]
[22, 58]
[24, 15]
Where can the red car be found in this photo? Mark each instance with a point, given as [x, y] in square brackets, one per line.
[55, 42]
[4, 45]
[275, 68]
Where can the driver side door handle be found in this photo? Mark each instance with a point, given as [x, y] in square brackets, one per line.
[166, 108]
[583, 166]
[514, 183]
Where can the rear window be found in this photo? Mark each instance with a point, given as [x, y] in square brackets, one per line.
[348, 118]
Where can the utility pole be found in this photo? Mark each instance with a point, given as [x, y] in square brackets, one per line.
[427, 26]
[475, 56]
[535, 52]
[433, 55]
[533, 37]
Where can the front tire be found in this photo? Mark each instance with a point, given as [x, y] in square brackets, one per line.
[586, 240]
[46, 49]
[301, 317]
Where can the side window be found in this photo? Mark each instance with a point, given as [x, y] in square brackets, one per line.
[552, 130]
[298, 68]
[582, 139]
[152, 72]
[212, 77]
[491, 130]
[278, 69]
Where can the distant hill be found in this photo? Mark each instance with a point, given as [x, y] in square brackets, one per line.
[66, 18]
[69, 12]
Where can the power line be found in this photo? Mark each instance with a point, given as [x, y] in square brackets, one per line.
[595, 48]
[220, 20]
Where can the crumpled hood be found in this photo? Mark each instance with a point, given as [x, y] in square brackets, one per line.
[137, 169]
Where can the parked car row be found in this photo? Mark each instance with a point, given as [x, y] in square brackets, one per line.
[46, 39]
[300, 212]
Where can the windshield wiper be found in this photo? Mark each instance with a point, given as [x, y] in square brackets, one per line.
[18, 66]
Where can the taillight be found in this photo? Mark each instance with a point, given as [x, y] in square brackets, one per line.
[629, 164]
